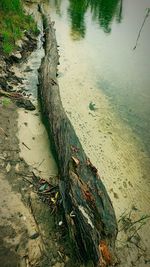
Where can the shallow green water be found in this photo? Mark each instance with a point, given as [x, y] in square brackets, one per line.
[102, 34]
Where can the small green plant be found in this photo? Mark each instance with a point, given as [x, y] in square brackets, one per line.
[7, 45]
[6, 101]
[7, 48]
[17, 34]
[36, 31]
[6, 36]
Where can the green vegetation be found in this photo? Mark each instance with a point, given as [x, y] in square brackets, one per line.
[5, 101]
[13, 23]
[10, 5]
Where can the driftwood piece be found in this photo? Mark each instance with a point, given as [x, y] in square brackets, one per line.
[88, 209]
[20, 101]
[12, 95]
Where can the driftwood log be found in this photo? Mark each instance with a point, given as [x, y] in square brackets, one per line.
[88, 209]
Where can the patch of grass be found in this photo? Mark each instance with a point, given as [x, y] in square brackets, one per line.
[30, 24]
[7, 45]
[13, 24]
[10, 5]
[6, 101]
[17, 34]
[7, 48]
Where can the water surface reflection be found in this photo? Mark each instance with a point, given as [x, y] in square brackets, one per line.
[102, 11]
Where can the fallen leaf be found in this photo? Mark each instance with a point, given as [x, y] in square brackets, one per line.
[56, 195]
[104, 250]
[8, 167]
[53, 200]
[43, 187]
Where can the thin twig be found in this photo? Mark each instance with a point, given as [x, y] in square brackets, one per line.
[26, 146]
[144, 217]
[122, 215]
[2, 130]
[136, 245]
[146, 16]
[41, 163]
[30, 182]
[136, 231]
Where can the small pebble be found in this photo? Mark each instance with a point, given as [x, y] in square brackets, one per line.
[60, 223]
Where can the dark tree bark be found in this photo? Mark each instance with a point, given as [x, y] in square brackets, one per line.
[88, 209]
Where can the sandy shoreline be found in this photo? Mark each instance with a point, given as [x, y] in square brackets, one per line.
[33, 133]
